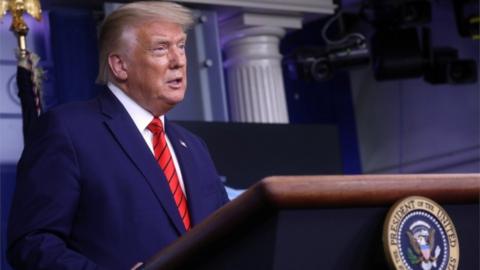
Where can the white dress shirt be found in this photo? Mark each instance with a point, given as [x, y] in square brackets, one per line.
[142, 118]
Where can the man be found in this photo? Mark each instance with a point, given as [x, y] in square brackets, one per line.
[99, 185]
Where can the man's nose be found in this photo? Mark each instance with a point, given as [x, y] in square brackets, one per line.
[177, 58]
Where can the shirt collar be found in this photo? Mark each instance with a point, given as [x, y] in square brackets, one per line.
[139, 115]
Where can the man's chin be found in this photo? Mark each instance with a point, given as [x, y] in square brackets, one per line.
[172, 102]
[175, 100]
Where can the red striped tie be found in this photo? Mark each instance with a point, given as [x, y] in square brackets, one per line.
[164, 159]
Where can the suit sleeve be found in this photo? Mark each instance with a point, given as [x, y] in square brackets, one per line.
[45, 199]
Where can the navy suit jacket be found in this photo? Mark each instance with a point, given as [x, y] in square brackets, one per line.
[90, 195]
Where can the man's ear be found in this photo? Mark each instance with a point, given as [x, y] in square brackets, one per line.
[118, 67]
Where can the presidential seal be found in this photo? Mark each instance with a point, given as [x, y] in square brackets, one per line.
[419, 235]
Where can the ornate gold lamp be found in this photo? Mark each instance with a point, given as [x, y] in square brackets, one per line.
[19, 27]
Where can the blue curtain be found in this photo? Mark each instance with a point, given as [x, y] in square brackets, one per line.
[75, 56]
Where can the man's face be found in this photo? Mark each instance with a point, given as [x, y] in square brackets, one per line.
[156, 66]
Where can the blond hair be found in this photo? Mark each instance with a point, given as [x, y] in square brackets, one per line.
[130, 15]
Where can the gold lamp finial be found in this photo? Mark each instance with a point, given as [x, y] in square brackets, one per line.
[19, 27]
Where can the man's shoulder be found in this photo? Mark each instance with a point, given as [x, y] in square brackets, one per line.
[74, 111]
[75, 108]
[78, 114]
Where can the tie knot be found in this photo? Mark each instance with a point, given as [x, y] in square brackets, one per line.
[155, 126]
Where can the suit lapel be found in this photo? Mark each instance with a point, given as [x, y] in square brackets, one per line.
[131, 141]
[189, 171]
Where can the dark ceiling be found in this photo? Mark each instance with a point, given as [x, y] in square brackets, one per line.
[88, 4]
[91, 4]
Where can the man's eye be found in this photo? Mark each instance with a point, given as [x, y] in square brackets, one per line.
[181, 46]
[159, 49]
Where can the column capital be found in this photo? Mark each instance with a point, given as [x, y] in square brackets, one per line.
[253, 64]
[246, 24]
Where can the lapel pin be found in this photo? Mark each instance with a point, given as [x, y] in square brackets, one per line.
[183, 143]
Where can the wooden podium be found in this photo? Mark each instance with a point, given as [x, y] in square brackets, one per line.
[320, 222]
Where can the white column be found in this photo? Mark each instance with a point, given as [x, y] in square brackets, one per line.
[253, 66]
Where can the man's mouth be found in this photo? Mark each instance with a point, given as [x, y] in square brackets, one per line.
[175, 83]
